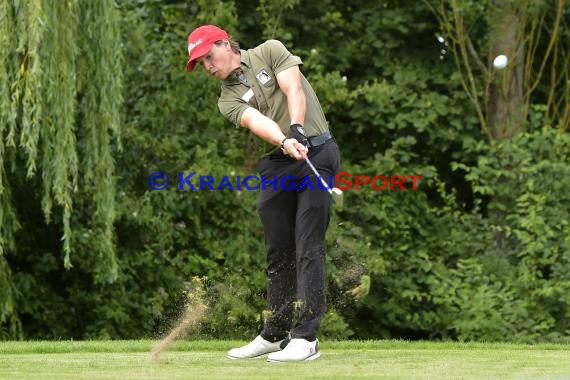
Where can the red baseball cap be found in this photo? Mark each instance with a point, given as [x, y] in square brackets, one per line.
[200, 42]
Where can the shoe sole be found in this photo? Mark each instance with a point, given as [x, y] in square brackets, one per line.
[250, 357]
[312, 357]
[247, 357]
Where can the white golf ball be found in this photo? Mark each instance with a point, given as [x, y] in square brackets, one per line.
[501, 61]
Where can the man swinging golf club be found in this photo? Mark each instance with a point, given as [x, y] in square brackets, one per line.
[263, 89]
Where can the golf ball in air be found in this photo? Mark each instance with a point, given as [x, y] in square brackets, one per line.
[501, 61]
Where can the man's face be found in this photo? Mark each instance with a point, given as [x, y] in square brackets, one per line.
[217, 62]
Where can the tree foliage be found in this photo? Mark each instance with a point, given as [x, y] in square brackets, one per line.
[534, 36]
[60, 113]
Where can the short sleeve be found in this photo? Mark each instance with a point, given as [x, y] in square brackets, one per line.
[278, 57]
[232, 109]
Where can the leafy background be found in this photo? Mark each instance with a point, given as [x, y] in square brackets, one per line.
[481, 251]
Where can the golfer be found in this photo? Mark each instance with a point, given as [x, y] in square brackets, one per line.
[263, 89]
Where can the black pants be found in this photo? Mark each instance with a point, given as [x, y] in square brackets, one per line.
[295, 223]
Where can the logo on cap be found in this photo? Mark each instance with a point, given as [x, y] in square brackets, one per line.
[192, 45]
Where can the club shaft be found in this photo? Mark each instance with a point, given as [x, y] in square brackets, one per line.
[318, 175]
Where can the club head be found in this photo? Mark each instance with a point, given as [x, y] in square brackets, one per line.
[337, 197]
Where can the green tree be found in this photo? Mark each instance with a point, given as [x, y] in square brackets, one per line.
[533, 35]
[60, 102]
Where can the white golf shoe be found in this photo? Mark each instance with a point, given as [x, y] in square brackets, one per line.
[255, 348]
[297, 350]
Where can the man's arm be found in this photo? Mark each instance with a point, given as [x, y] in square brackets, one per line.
[268, 130]
[289, 81]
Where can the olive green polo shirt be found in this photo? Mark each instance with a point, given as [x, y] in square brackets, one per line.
[258, 88]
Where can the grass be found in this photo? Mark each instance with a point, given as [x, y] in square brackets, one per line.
[340, 360]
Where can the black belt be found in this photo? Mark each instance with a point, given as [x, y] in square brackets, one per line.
[319, 140]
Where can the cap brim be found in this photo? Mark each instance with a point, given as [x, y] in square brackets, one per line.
[190, 65]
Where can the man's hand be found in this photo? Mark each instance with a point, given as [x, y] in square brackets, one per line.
[297, 132]
[299, 140]
[295, 149]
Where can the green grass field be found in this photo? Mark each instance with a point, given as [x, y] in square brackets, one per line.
[340, 360]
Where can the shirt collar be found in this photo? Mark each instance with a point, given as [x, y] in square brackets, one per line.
[244, 65]
[245, 59]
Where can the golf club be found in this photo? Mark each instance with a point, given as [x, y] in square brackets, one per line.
[335, 193]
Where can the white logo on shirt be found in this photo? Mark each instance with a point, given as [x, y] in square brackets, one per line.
[263, 77]
[247, 96]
